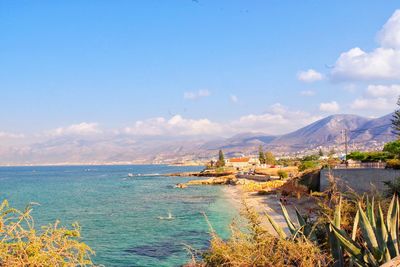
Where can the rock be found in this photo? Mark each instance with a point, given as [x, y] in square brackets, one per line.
[180, 186]
[215, 181]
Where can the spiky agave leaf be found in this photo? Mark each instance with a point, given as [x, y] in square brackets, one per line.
[392, 225]
[289, 222]
[381, 234]
[368, 233]
[334, 243]
[348, 244]
[278, 229]
[371, 213]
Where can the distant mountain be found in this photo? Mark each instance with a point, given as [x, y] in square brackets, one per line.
[327, 133]
[375, 129]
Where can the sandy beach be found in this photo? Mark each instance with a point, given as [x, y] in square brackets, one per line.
[262, 204]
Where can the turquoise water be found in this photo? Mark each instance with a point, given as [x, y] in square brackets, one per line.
[119, 215]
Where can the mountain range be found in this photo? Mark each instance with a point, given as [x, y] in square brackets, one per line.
[362, 133]
[326, 134]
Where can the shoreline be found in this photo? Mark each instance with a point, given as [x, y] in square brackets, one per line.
[261, 204]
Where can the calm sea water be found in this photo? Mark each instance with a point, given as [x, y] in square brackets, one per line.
[119, 215]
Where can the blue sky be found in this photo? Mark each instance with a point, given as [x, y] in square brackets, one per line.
[229, 66]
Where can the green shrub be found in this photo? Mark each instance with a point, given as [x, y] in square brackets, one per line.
[393, 164]
[282, 174]
[393, 148]
[357, 155]
[310, 158]
[305, 165]
[374, 156]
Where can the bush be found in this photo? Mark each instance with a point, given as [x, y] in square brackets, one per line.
[255, 246]
[378, 156]
[357, 155]
[393, 148]
[311, 158]
[374, 156]
[393, 164]
[282, 174]
[305, 165]
[22, 245]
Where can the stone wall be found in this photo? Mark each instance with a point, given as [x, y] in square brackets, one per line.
[360, 180]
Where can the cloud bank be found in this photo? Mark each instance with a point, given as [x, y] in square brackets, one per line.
[383, 63]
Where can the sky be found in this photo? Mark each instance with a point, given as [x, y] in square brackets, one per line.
[187, 68]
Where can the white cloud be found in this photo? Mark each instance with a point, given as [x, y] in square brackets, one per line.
[378, 97]
[386, 91]
[7, 135]
[383, 63]
[177, 126]
[193, 95]
[309, 76]
[307, 93]
[83, 128]
[389, 36]
[379, 103]
[329, 106]
[277, 120]
[355, 64]
[234, 98]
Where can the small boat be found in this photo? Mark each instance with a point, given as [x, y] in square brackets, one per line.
[130, 175]
[169, 218]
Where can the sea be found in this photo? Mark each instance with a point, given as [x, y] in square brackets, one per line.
[122, 209]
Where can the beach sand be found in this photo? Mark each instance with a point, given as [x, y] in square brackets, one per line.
[262, 204]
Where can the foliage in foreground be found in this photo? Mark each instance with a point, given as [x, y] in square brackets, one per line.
[372, 241]
[379, 240]
[22, 245]
[255, 246]
[345, 229]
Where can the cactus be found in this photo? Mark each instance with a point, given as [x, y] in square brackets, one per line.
[380, 237]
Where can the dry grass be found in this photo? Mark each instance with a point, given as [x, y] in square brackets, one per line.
[254, 246]
[257, 186]
[22, 245]
[274, 171]
[294, 189]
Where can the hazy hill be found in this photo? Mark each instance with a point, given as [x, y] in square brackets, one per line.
[325, 132]
[364, 133]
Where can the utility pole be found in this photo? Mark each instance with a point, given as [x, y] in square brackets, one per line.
[345, 145]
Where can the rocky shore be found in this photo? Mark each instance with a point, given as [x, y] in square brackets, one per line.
[200, 174]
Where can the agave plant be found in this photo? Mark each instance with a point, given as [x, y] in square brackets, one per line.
[380, 238]
[304, 228]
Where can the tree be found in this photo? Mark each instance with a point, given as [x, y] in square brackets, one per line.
[269, 158]
[396, 121]
[332, 152]
[221, 159]
[261, 156]
[321, 153]
[357, 155]
[393, 148]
